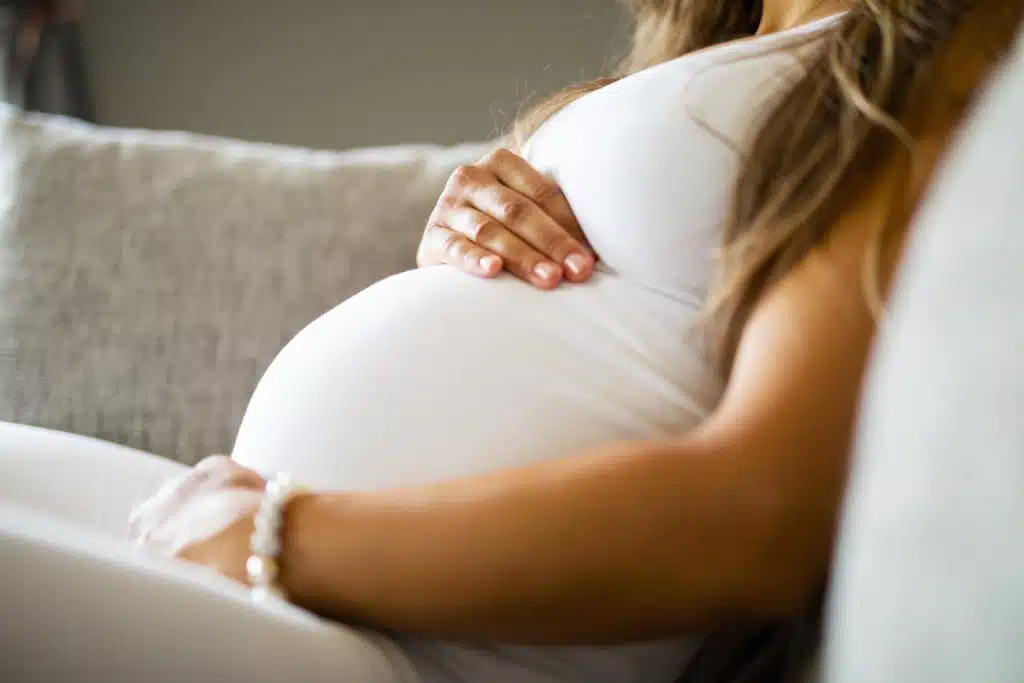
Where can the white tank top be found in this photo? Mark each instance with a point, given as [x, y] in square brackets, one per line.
[431, 374]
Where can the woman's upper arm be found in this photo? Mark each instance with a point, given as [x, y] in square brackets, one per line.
[790, 406]
[788, 413]
[801, 357]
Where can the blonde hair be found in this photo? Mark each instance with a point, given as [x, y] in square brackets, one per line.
[831, 128]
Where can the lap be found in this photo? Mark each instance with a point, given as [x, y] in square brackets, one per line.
[80, 605]
[78, 479]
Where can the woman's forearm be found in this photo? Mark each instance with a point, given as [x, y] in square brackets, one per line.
[635, 541]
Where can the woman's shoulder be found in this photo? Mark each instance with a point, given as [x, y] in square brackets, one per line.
[977, 45]
[938, 105]
[818, 321]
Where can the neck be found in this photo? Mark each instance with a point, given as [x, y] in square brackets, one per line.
[780, 15]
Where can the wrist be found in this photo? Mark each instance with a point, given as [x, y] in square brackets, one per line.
[262, 566]
[312, 537]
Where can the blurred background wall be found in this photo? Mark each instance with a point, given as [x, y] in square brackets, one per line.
[339, 73]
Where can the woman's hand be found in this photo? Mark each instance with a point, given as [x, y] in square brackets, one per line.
[502, 213]
[204, 517]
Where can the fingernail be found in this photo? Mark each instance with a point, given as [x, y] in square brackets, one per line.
[576, 263]
[489, 263]
[545, 271]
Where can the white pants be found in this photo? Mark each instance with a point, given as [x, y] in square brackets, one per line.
[78, 603]
[81, 604]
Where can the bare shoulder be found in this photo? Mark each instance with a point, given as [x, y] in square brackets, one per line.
[884, 207]
[977, 45]
[798, 369]
[786, 422]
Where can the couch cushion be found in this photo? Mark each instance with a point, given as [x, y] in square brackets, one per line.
[148, 279]
[929, 583]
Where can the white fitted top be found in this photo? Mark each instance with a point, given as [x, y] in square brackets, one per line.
[431, 374]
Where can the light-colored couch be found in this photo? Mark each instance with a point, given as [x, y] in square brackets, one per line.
[147, 280]
[929, 576]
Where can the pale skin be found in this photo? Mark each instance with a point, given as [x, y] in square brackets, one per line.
[634, 540]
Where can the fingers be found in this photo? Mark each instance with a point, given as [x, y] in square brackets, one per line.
[144, 518]
[444, 245]
[517, 173]
[220, 471]
[549, 225]
[519, 258]
[499, 211]
[214, 472]
[503, 213]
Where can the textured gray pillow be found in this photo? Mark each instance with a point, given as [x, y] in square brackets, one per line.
[148, 279]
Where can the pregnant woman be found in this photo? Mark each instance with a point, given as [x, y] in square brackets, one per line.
[566, 469]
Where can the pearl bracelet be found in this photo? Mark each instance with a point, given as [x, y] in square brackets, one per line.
[265, 542]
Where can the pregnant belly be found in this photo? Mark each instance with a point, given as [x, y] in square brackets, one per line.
[430, 375]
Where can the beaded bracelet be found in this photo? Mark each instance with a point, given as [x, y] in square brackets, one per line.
[265, 542]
